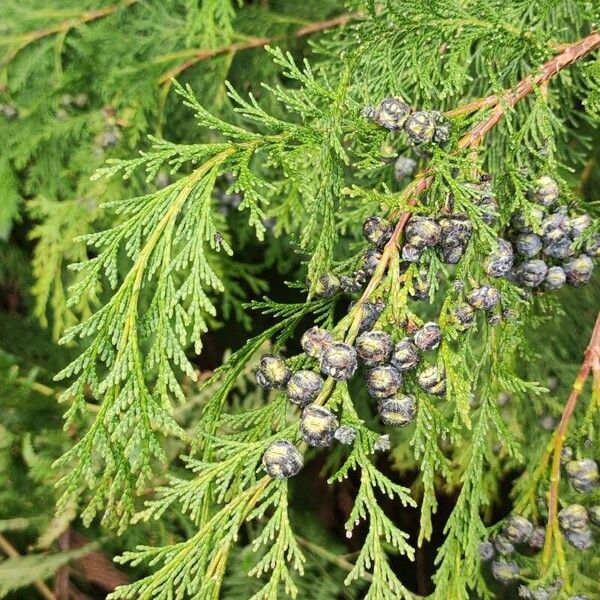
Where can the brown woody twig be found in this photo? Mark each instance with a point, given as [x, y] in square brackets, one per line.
[64, 26]
[591, 363]
[255, 42]
[569, 55]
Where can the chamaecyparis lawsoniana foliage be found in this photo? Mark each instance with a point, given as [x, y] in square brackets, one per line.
[263, 147]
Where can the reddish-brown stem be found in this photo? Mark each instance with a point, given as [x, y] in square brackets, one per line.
[255, 42]
[474, 105]
[420, 184]
[591, 362]
[569, 55]
[64, 26]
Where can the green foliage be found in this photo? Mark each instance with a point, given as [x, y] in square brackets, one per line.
[11, 199]
[168, 237]
[24, 570]
[256, 165]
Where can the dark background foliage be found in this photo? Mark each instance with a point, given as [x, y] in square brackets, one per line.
[85, 89]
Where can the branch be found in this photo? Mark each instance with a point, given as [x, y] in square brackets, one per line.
[568, 55]
[424, 179]
[10, 551]
[340, 561]
[255, 42]
[586, 173]
[509, 99]
[591, 362]
[63, 27]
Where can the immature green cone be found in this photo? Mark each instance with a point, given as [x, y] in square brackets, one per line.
[272, 372]
[505, 571]
[315, 340]
[383, 381]
[377, 230]
[405, 356]
[318, 426]
[420, 127]
[374, 347]
[545, 191]
[583, 474]
[517, 529]
[398, 411]
[282, 460]
[339, 360]
[433, 380]
[421, 285]
[428, 337]
[303, 387]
